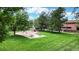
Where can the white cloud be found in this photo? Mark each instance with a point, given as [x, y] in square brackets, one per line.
[38, 10]
[30, 17]
[35, 11]
[70, 15]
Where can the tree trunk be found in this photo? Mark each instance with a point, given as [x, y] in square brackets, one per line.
[41, 28]
[59, 29]
[14, 32]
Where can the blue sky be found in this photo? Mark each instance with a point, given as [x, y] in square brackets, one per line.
[34, 12]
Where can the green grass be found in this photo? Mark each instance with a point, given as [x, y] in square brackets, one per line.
[52, 42]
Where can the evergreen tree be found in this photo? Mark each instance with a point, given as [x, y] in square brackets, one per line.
[57, 19]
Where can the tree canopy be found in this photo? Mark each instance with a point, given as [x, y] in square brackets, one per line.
[42, 21]
[21, 21]
[52, 22]
[7, 16]
[57, 19]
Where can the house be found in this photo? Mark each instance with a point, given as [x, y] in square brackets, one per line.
[70, 25]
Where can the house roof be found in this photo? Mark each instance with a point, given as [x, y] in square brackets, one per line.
[72, 21]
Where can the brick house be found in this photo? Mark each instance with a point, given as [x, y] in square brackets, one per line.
[70, 25]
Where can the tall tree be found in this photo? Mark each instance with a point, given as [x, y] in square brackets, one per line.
[41, 22]
[21, 21]
[6, 14]
[57, 19]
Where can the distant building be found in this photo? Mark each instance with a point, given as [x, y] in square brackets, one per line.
[70, 25]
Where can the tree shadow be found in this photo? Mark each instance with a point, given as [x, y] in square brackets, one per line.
[18, 37]
[61, 33]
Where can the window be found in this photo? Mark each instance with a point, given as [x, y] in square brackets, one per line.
[66, 27]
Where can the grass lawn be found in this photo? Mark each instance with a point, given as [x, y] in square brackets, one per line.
[52, 42]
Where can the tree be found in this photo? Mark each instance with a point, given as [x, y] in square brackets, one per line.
[6, 14]
[57, 19]
[41, 22]
[21, 21]
[30, 23]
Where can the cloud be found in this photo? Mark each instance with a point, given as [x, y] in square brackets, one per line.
[70, 16]
[36, 11]
[30, 17]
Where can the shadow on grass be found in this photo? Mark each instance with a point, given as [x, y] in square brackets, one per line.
[59, 33]
[18, 37]
[51, 32]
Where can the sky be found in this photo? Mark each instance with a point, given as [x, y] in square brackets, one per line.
[34, 12]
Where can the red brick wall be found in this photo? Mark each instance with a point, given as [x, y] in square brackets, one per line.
[73, 27]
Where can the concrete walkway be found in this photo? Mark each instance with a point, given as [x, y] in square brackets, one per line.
[30, 34]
